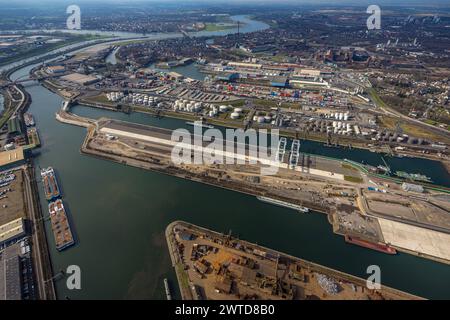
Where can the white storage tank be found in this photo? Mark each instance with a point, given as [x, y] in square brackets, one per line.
[235, 115]
[223, 108]
[237, 110]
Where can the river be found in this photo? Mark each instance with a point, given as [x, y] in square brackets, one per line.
[119, 215]
[2, 102]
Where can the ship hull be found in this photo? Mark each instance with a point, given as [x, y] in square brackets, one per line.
[384, 248]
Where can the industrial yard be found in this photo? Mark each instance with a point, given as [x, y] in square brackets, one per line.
[215, 266]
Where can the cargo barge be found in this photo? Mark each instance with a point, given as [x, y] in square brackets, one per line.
[167, 289]
[200, 124]
[60, 225]
[51, 188]
[29, 120]
[283, 204]
[381, 247]
[413, 176]
[33, 137]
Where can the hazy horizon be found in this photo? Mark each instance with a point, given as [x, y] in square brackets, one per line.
[240, 2]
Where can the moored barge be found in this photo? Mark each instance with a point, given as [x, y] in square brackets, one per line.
[60, 225]
[51, 188]
[381, 247]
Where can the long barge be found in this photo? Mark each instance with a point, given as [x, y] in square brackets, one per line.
[381, 247]
[60, 225]
[283, 204]
[51, 188]
[413, 176]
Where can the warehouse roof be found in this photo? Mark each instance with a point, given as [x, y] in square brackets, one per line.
[11, 230]
[14, 126]
[11, 156]
[10, 284]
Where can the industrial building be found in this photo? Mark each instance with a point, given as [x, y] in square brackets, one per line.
[10, 274]
[14, 127]
[56, 69]
[12, 230]
[11, 158]
[412, 187]
[80, 79]
[228, 77]
[279, 82]
[245, 65]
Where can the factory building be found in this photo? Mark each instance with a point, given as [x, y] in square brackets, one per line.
[409, 187]
[12, 230]
[245, 65]
[279, 82]
[11, 158]
[56, 69]
[228, 77]
[14, 127]
[10, 274]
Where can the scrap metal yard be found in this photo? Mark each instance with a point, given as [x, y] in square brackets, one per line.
[210, 265]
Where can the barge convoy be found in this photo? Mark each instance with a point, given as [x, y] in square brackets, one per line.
[58, 216]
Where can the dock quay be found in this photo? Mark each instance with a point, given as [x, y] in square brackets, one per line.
[214, 266]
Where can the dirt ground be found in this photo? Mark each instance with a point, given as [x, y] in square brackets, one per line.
[12, 204]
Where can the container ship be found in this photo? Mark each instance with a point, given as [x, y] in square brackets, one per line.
[51, 187]
[381, 247]
[60, 225]
[283, 204]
